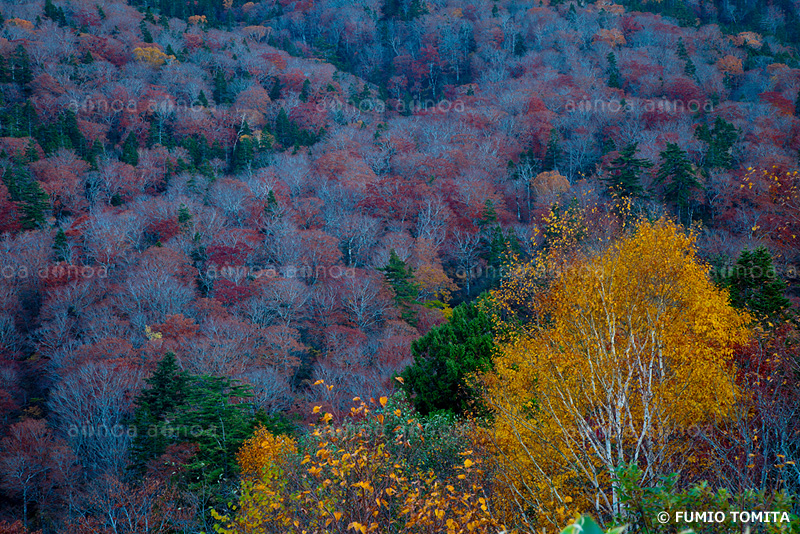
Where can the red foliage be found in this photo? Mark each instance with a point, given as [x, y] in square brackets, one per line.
[630, 25]
[34, 462]
[192, 41]
[762, 436]
[345, 166]
[108, 48]
[15, 528]
[222, 255]
[684, 90]
[320, 252]
[781, 103]
[308, 116]
[61, 176]
[228, 292]
[275, 58]
[177, 327]
[9, 216]
[18, 145]
[163, 229]
[293, 79]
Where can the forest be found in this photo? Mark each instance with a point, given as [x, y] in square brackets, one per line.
[399, 266]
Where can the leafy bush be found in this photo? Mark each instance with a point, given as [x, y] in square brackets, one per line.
[643, 504]
[356, 475]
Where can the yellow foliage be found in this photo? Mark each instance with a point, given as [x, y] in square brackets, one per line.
[264, 451]
[152, 56]
[197, 19]
[636, 348]
[434, 284]
[151, 335]
[562, 237]
[344, 479]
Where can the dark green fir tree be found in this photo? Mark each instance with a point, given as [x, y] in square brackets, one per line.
[401, 277]
[275, 90]
[147, 37]
[61, 246]
[33, 204]
[519, 46]
[682, 53]
[552, 155]
[445, 358]
[679, 179]
[244, 150]
[719, 142]
[130, 150]
[754, 285]
[690, 70]
[155, 407]
[221, 92]
[305, 91]
[614, 80]
[624, 173]
[202, 99]
[572, 14]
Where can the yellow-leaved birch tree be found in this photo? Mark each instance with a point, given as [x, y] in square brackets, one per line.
[632, 348]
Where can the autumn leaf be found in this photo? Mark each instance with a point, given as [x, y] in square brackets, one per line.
[552, 389]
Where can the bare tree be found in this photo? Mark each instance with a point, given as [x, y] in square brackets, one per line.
[432, 221]
[271, 390]
[365, 300]
[90, 405]
[465, 248]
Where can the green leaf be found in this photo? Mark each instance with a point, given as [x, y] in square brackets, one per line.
[584, 525]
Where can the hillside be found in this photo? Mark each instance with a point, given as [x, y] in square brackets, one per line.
[281, 192]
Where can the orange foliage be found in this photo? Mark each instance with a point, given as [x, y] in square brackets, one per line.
[276, 59]
[20, 23]
[257, 33]
[612, 37]
[550, 182]
[609, 7]
[751, 39]
[730, 65]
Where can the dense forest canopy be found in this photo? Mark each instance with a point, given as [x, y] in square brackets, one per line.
[249, 248]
